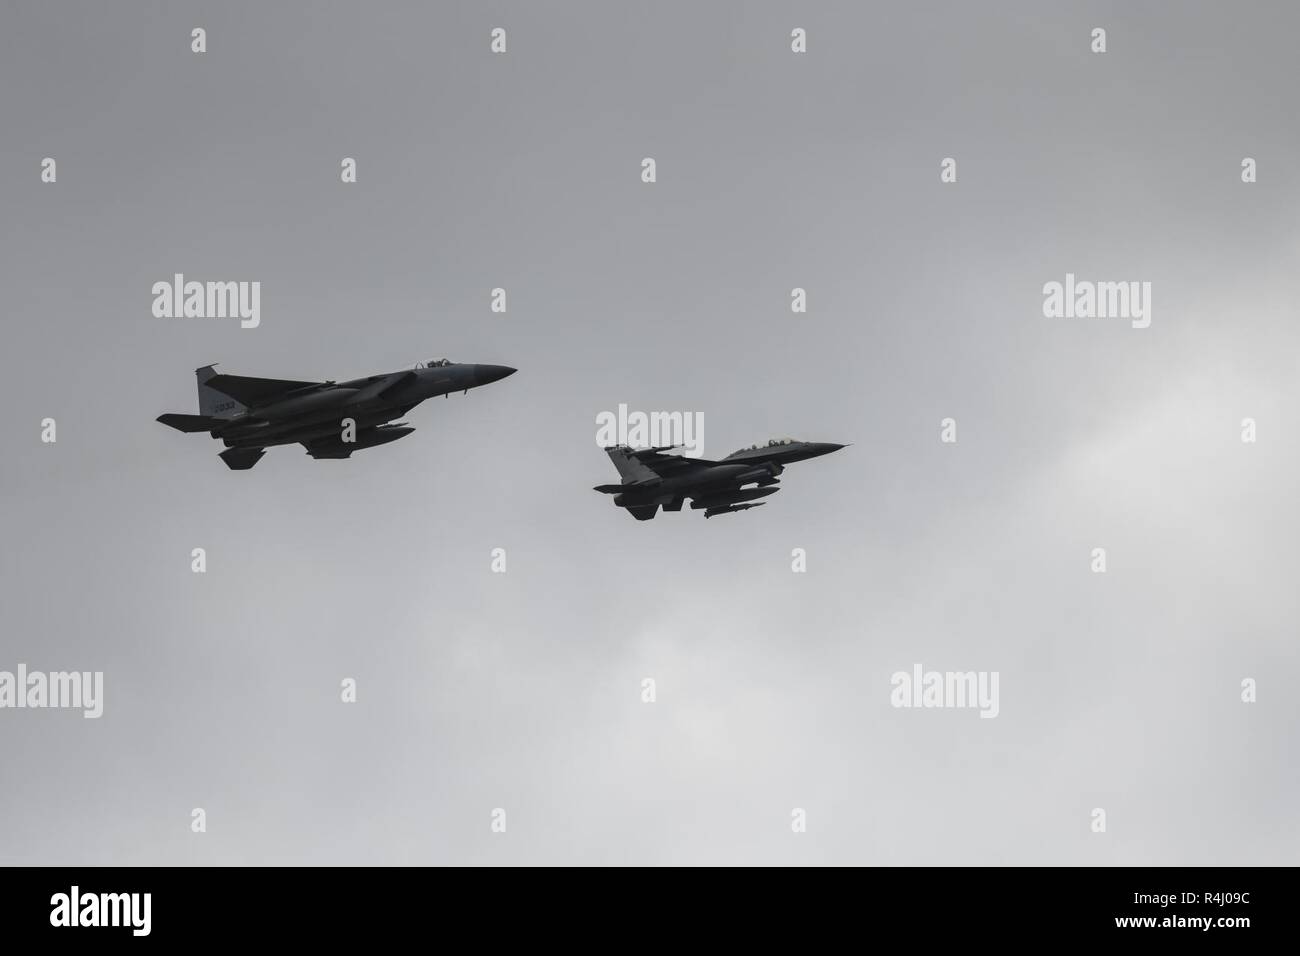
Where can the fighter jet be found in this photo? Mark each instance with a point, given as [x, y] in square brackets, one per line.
[652, 478]
[252, 414]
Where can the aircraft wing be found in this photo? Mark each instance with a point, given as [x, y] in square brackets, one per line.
[255, 391]
[661, 464]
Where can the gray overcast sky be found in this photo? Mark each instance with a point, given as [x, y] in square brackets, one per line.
[522, 690]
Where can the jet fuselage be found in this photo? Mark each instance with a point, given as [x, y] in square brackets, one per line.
[331, 419]
[652, 479]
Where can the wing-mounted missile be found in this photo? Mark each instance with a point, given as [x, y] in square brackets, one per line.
[730, 508]
[731, 497]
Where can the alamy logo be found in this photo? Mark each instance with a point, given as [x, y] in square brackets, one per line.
[66, 689]
[1098, 300]
[658, 429]
[208, 300]
[974, 689]
[102, 909]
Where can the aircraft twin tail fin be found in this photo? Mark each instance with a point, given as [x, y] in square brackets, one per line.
[212, 403]
[630, 468]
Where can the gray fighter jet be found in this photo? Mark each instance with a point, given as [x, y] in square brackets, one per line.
[251, 414]
[652, 478]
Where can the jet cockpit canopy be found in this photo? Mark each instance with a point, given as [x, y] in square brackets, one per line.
[434, 363]
[772, 443]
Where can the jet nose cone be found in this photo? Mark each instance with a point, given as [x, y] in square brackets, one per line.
[826, 447]
[487, 374]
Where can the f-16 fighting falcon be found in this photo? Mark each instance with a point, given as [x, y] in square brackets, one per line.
[651, 478]
[329, 419]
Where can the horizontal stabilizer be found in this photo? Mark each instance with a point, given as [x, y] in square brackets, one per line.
[189, 423]
[241, 459]
[254, 391]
